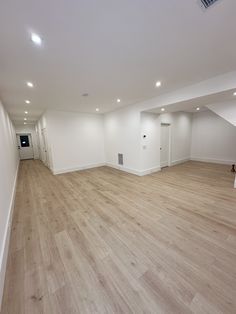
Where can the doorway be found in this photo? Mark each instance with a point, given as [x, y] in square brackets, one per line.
[165, 145]
[45, 158]
[25, 146]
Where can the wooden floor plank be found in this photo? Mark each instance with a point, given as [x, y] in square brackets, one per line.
[104, 241]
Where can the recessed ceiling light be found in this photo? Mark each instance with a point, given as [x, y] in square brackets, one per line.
[97, 109]
[29, 84]
[158, 83]
[25, 119]
[234, 93]
[36, 39]
[162, 109]
[197, 108]
[118, 100]
[25, 123]
[27, 101]
[26, 112]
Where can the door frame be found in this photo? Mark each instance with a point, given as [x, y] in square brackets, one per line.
[31, 141]
[170, 144]
[45, 148]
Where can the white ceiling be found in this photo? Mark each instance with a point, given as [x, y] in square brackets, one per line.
[109, 49]
[198, 102]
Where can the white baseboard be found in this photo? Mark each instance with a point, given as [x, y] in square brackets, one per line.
[133, 171]
[122, 168]
[149, 171]
[65, 170]
[6, 239]
[164, 164]
[215, 161]
[179, 161]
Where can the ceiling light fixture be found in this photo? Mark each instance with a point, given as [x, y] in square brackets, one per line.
[234, 93]
[36, 39]
[97, 109]
[197, 108]
[25, 119]
[162, 109]
[29, 84]
[26, 112]
[27, 101]
[158, 83]
[118, 100]
[25, 123]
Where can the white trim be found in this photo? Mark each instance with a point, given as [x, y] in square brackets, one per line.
[122, 168]
[165, 164]
[180, 161]
[149, 171]
[89, 166]
[6, 239]
[133, 171]
[215, 161]
[168, 162]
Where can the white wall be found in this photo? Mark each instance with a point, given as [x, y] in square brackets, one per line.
[8, 173]
[40, 127]
[150, 145]
[76, 140]
[181, 129]
[213, 139]
[122, 135]
[124, 130]
[30, 129]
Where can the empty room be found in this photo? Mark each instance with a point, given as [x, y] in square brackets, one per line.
[118, 156]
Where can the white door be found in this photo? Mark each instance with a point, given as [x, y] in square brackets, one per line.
[44, 148]
[25, 146]
[165, 145]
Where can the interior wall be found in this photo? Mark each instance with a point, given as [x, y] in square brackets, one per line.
[150, 142]
[122, 135]
[30, 129]
[180, 139]
[41, 127]
[213, 139]
[76, 140]
[9, 160]
[121, 131]
[181, 130]
[124, 130]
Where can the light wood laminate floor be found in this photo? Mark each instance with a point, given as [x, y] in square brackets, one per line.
[104, 241]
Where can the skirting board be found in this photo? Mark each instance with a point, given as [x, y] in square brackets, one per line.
[215, 161]
[6, 240]
[134, 171]
[65, 170]
[149, 171]
[179, 161]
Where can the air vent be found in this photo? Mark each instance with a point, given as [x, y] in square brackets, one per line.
[120, 159]
[207, 3]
